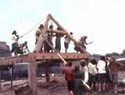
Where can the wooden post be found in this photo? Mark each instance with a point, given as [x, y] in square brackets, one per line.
[47, 71]
[41, 37]
[12, 72]
[32, 75]
[0, 78]
[65, 32]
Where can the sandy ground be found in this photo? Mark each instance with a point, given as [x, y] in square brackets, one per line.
[56, 86]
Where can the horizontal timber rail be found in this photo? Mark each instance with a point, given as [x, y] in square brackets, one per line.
[54, 56]
[13, 60]
[41, 56]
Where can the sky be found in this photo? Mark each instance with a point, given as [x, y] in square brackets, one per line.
[103, 21]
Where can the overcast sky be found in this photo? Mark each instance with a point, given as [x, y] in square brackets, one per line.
[103, 21]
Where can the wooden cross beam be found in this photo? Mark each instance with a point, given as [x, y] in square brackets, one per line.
[65, 32]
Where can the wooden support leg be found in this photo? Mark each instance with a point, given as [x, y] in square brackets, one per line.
[47, 72]
[32, 75]
[0, 79]
[12, 72]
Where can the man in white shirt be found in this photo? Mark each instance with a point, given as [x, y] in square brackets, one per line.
[101, 74]
[14, 39]
[92, 69]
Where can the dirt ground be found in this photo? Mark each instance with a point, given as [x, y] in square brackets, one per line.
[56, 86]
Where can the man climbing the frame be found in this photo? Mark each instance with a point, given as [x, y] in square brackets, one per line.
[82, 42]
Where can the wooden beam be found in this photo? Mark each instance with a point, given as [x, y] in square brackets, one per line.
[56, 22]
[0, 79]
[54, 56]
[47, 71]
[14, 60]
[41, 37]
[42, 56]
[66, 32]
[12, 73]
[58, 31]
[32, 75]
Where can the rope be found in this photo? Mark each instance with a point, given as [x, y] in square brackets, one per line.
[30, 30]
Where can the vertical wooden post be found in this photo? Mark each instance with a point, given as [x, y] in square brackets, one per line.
[12, 72]
[47, 71]
[32, 75]
[0, 78]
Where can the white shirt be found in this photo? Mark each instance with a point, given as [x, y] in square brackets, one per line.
[67, 40]
[14, 38]
[101, 66]
[92, 69]
[86, 74]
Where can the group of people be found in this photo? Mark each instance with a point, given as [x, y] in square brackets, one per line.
[91, 76]
[48, 42]
[47, 45]
[77, 78]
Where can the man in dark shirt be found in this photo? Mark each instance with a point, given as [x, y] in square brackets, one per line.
[68, 70]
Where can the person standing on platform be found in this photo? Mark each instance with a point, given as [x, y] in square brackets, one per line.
[38, 33]
[82, 42]
[14, 39]
[67, 41]
[50, 35]
[58, 40]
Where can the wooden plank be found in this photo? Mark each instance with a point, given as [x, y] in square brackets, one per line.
[47, 56]
[41, 37]
[47, 71]
[0, 80]
[42, 56]
[32, 75]
[58, 31]
[14, 60]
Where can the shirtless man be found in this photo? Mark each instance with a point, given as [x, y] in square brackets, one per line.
[38, 32]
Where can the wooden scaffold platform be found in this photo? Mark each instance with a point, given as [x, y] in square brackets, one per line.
[31, 58]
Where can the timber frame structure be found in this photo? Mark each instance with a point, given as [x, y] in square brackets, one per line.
[31, 58]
